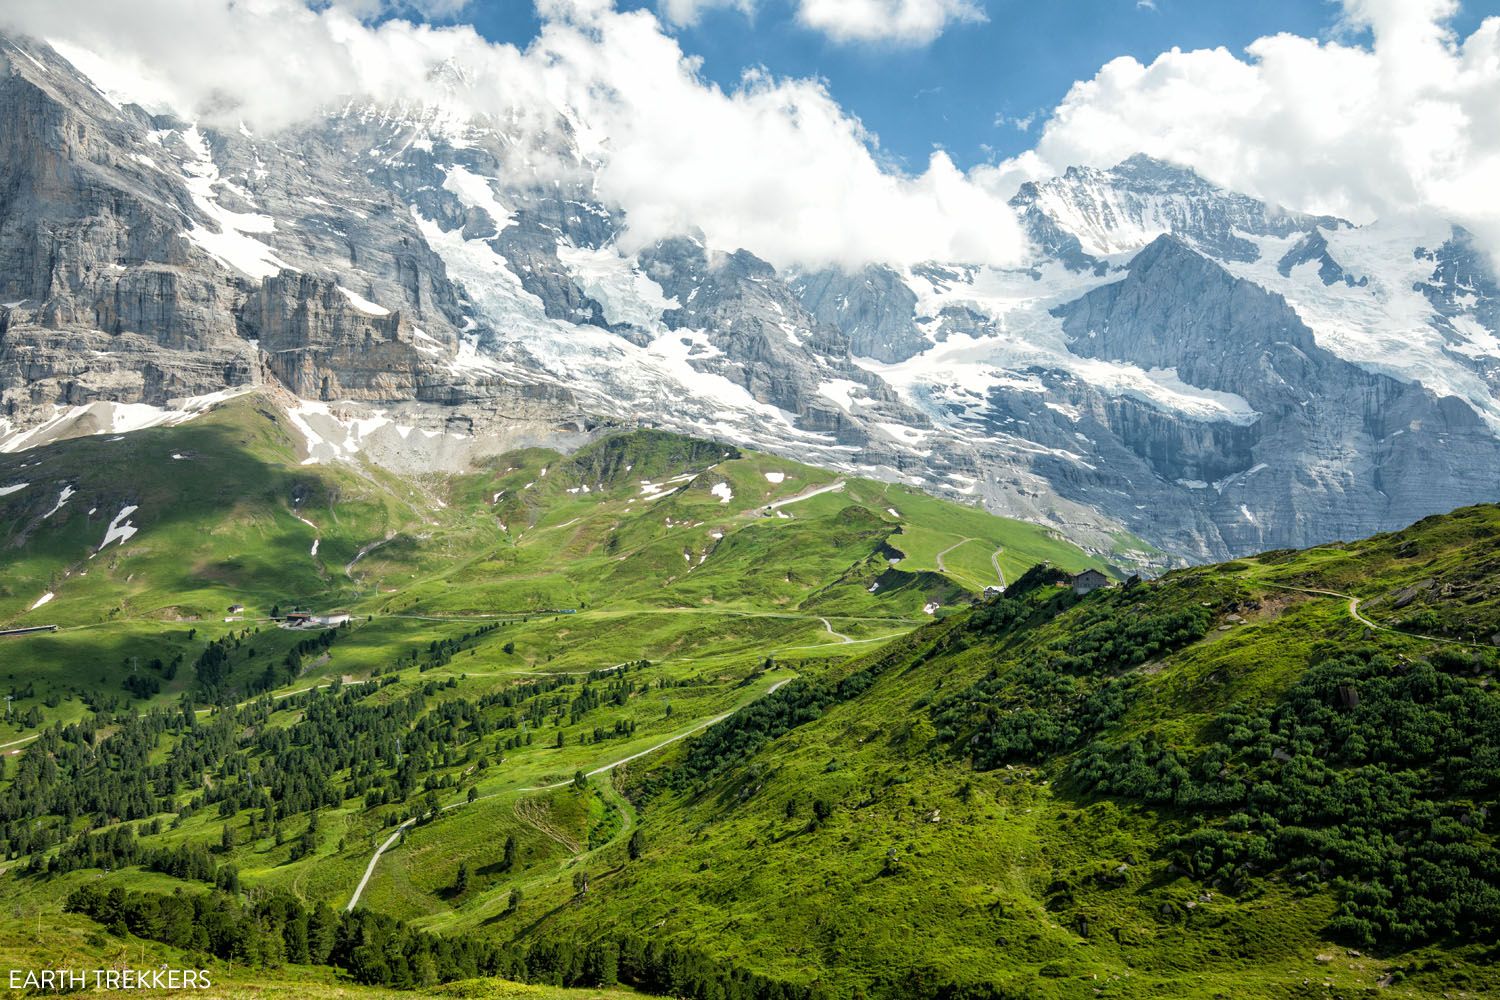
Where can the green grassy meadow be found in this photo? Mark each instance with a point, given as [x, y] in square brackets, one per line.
[667, 713]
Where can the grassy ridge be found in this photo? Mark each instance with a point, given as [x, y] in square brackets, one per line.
[914, 871]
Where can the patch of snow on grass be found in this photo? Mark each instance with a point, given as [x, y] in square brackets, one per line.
[120, 529]
[42, 600]
[833, 487]
[653, 491]
[62, 498]
[776, 477]
[106, 417]
[723, 492]
[6, 491]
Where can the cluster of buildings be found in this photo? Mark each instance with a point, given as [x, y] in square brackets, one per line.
[294, 618]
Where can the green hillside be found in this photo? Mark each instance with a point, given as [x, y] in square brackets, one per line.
[1208, 785]
[628, 534]
[669, 714]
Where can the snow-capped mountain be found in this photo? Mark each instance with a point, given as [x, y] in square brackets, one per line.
[1087, 215]
[1212, 373]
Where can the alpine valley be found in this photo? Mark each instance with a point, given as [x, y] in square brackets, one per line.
[405, 590]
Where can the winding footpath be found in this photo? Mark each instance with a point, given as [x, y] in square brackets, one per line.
[841, 637]
[23, 739]
[832, 487]
[1358, 616]
[942, 567]
[605, 769]
[364, 551]
[375, 859]
[994, 559]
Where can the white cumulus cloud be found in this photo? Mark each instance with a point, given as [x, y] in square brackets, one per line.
[1392, 115]
[688, 12]
[1406, 121]
[772, 165]
[893, 22]
[902, 22]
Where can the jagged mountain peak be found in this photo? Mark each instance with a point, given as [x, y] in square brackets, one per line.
[1090, 213]
[1144, 172]
[450, 73]
[1173, 250]
[35, 56]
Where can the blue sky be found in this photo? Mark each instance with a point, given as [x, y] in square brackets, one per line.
[964, 91]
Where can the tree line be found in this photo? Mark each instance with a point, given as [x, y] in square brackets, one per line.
[1374, 776]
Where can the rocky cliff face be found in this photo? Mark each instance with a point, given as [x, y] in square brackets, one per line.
[1333, 443]
[143, 260]
[1218, 374]
[873, 306]
[1209, 372]
[100, 298]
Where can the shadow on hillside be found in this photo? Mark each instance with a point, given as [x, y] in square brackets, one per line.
[210, 526]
